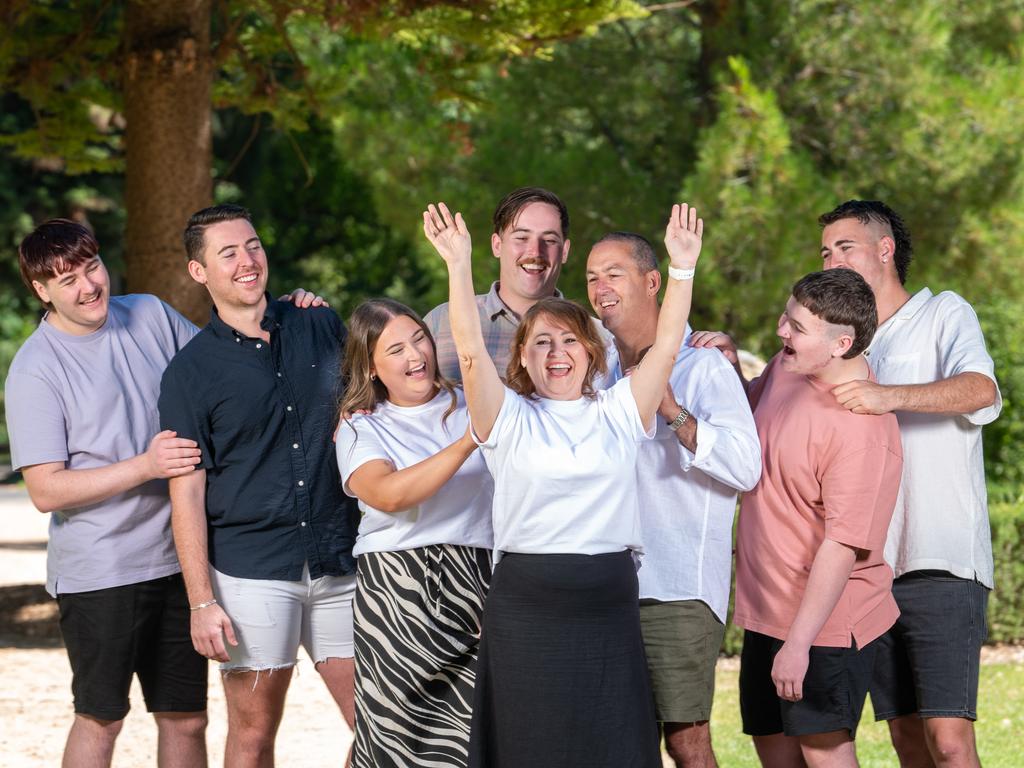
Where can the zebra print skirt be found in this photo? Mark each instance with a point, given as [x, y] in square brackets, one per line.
[417, 629]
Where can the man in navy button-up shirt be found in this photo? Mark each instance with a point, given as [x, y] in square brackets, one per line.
[263, 531]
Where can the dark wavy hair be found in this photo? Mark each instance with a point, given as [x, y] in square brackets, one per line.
[53, 248]
[866, 211]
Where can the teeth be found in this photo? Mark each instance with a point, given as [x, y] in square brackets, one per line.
[248, 278]
[606, 304]
[533, 267]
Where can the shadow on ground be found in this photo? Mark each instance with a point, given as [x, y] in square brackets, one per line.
[28, 617]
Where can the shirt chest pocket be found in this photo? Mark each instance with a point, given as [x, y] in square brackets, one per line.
[897, 369]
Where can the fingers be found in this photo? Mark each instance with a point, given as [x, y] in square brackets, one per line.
[229, 630]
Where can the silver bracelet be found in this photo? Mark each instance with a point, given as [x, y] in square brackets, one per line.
[207, 604]
[681, 419]
[677, 273]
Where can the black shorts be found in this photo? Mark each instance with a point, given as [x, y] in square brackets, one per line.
[834, 689]
[142, 629]
[928, 662]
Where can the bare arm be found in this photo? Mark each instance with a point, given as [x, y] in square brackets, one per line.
[484, 391]
[383, 487]
[53, 487]
[682, 240]
[188, 522]
[959, 394]
[830, 571]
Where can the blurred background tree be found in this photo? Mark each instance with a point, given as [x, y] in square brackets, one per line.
[335, 122]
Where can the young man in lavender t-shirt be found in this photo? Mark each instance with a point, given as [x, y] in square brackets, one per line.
[81, 411]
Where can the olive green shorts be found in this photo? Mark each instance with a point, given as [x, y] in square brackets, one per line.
[682, 640]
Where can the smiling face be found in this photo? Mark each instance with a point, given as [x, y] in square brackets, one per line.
[617, 287]
[234, 267]
[555, 360]
[532, 251]
[864, 248]
[809, 343]
[403, 360]
[79, 297]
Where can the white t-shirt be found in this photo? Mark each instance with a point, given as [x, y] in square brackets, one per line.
[459, 513]
[565, 473]
[941, 517]
[687, 500]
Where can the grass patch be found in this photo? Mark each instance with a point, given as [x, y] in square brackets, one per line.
[1000, 723]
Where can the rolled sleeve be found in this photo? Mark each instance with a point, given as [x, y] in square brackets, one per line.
[962, 348]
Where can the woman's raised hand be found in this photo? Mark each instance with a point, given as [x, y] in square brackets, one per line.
[447, 233]
[683, 236]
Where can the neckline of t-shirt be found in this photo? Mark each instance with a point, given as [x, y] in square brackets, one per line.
[411, 410]
[75, 338]
[549, 404]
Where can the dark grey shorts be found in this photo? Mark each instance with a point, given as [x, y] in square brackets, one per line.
[834, 690]
[927, 664]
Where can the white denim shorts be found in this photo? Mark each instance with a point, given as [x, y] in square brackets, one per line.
[271, 618]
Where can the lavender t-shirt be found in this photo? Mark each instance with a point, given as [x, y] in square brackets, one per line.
[90, 401]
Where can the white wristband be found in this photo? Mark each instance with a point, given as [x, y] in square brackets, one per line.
[681, 274]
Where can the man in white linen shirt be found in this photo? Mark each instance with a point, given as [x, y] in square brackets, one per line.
[705, 451]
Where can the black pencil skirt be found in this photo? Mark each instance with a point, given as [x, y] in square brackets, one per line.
[562, 678]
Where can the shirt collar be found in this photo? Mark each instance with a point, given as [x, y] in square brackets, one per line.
[494, 306]
[271, 320]
[913, 305]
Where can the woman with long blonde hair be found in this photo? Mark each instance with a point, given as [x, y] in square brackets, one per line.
[562, 678]
[423, 547]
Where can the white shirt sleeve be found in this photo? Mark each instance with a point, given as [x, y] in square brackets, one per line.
[728, 449]
[356, 445]
[962, 350]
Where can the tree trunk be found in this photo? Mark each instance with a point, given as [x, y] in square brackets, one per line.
[168, 77]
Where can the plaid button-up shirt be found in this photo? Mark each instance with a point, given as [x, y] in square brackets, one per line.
[499, 324]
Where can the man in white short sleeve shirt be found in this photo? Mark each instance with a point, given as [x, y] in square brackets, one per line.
[688, 478]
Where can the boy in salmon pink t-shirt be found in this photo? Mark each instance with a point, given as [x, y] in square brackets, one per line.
[812, 590]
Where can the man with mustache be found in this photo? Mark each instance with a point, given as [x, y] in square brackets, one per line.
[530, 241]
[263, 531]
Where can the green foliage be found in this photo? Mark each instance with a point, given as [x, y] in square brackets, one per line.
[760, 196]
[1006, 602]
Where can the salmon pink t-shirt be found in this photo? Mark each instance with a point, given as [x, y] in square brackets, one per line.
[828, 473]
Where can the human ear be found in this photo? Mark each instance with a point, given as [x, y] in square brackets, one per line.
[41, 292]
[496, 245]
[197, 272]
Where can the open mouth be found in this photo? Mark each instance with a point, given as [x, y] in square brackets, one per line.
[608, 303]
[788, 350]
[559, 370]
[92, 302]
[533, 267]
[418, 372]
[247, 279]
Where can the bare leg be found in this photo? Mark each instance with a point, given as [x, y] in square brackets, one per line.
[339, 676]
[834, 749]
[907, 735]
[689, 744]
[181, 739]
[90, 742]
[779, 751]
[255, 706]
[951, 742]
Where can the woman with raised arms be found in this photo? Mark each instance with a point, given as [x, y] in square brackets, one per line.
[424, 542]
[562, 678]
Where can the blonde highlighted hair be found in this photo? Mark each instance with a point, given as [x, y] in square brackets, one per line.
[570, 315]
[362, 391]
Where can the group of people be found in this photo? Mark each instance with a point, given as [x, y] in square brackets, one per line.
[503, 532]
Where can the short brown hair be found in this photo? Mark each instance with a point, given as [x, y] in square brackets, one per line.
[575, 318]
[53, 248]
[200, 220]
[508, 209]
[841, 297]
[866, 211]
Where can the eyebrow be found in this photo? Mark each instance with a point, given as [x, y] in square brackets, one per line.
[794, 323]
[545, 232]
[235, 245]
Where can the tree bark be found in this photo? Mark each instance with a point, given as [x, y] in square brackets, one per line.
[168, 77]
